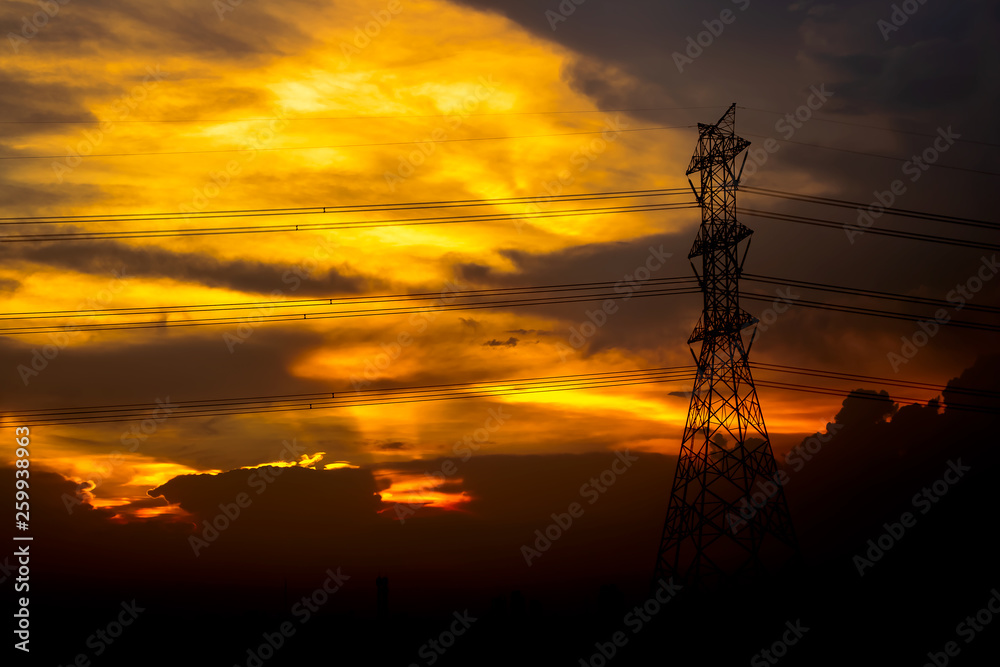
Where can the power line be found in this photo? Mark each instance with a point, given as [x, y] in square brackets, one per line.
[339, 208]
[878, 155]
[365, 145]
[417, 296]
[867, 293]
[339, 118]
[256, 405]
[830, 224]
[212, 402]
[962, 324]
[842, 203]
[451, 391]
[142, 408]
[382, 310]
[507, 297]
[362, 224]
[874, 127]
[486, 217]
[460, 203]
[909, 384]
[391, 298]
[962, 407]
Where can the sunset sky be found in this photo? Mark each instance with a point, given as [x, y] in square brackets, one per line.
[117, 108]
[317, 83]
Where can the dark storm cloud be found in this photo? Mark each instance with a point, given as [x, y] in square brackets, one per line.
[181, 26]
[924, 61]
[153, 365]
[192, 367]
[333, 516]
[305, 522]
[102, 257]
[638, 39]
[592, 262]
[392, 446]
[868, 470]
[638, 323]
[35, 200]
[510, 342]
[981, 376]
[25, 97]
[854, 482]
[31, 89]
[866, 407]
[931, 60]
[939, 69]
[345, 492]
[779, 250]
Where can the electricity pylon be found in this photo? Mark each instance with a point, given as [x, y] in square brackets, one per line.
[727, 513]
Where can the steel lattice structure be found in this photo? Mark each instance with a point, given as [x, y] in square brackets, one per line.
[713, 528]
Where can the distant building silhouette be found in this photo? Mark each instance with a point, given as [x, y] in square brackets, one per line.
[517, 606]
[498, 606]
[610, 602]
[382, 598]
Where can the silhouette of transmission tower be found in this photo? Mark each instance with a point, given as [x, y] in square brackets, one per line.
[727, 515]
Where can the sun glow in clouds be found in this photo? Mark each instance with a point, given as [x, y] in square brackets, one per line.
[418, 98]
